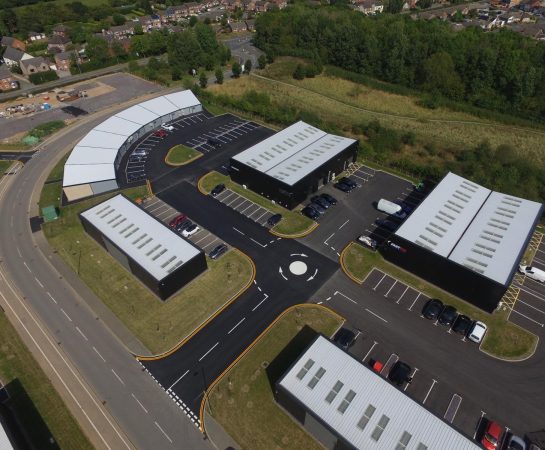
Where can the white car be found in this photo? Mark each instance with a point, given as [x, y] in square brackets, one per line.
[164, 126]
[368, 242]
[190, 231]
[533, 272]
[477, 332]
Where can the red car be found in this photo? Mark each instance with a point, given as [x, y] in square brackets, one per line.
[177, 220]
[160, 133]
[492, 435]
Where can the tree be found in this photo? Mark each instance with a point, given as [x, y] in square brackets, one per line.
[219, 76]
[175, 73]
[154, 64]
[440, 76]
[184, 51]
[395, 6]
[248, 66]
[262, 61]
[203, 80]
[193, 21]
[146, 6]
[424, 4]
[118, 19]
[9, 19]
[299, 72]
[133, 66]
[97, 50]
[138, 30]
[236, 70]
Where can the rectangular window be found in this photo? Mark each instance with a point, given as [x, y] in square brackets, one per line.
[404, 441]
[369, 411]
[333, 393]
[379, 429]
[301, 374]
[317, 376]
[346, 401]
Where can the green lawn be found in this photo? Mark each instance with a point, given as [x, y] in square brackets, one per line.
[503, 339]
[4, 165]
[242, 402]
[51, 195]
[34, 401]
[159, 325]
[58, 171]
[293, 222]
[180, 155]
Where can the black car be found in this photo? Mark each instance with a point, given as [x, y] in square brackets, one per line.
[217, 251]
[317, 208]
[462, 324]
[184, 224]
[400, 373]
[311, 213]
[332, 200]
[349, 181]
[385, 223]
[343, 187]
[137, 158]
[320, 201]
[345, 338]
[217, 190]
[448, 315]
[214, 142]
[274, 219]
[432, 309]
[405, 207]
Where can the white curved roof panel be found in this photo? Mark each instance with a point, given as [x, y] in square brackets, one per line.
[137, 114]
[101, 139]
[160, 106]
[75, 174]
[183, 99]
[117, 125]
[91, 155]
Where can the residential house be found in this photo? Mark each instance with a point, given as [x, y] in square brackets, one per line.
[175, 13]
[8, 41]
[12, 56]
[368, 7]
[60, 30]
[58, 43]
[491, 23]
[261, 6]
[150, 23]
[63, 60]
[237, 27]
[33, 36]
[35, 65]
[250, 24]
[248, 5]
[280, 4]
[124, 41]
[533, 30]
[7, 81]
[121, 30]
[193, 8]
[231, 5]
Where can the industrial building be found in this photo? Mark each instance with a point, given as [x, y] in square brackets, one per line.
[465, 239]
[156, 255]
[91, 167]
[345, 405]
[293, 163]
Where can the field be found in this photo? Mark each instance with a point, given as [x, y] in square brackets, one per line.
[180, 155]
[33, 399]
[504, 339]
[346, 103]
[159, 325]
[242, 401]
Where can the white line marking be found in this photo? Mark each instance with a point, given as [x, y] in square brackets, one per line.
[345, 296]
[415, 300]
[375, 288]
[332, 234]
[51, 297]
[428, 394]
[233, 329]
[28, 268]
[238, 231]
[391, 287]
[81, 332]
[138, 401]
[259, 243]
[399, 299]
[67, 316]
[376, 315]
[393, 357]
[344, 224]
[19, 252]
[163, 431]
[370, 350]
[98, 353]
[328, 298]
[39, 282]
[529, 318]
[173, 384]
[213, 347]
[412, 376]
[259, 304]
[118, 377]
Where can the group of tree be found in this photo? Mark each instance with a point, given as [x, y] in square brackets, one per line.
[502, 71]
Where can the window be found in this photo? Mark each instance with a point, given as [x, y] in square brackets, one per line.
[369, 411]
[305, 369]
[314, 381]
[404, 441]
[346, 401]
[377, 432]
[333, 393]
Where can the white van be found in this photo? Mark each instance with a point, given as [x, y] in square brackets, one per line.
[477, 332]
[388, 207]
[533, 272]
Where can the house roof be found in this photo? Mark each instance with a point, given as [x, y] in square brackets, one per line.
[5, 72]
[58, 40]
[147, 240]
[38, 60]
[13, 54]
[64, 56]
[7, 41]
[361, 406]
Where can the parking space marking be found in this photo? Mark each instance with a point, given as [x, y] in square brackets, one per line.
[391, 361]
[452, 408]
[376, 315]
[391, 287]
[209, 244]
[399, 299]
[375, 343]
[415, 300]
[429, 392]
[529, 318]
[411, 377]
[376, 286]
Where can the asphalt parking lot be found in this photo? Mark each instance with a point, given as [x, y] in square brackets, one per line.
[135, 170]
[246, 207]
[203, 239]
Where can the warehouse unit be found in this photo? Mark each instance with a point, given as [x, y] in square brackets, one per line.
[345, 405]
[147, 248]
[91, 167]
[293, 163]
[466, 239]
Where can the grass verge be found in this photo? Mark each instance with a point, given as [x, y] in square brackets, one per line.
[158, 325]
[293, 223]
[242, 401]
[179, 155]
[58, 171]
[4, 165]
[33, 400]
[50, 195]
[503, 339]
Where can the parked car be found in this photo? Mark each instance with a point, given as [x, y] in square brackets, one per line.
[311, 213]
[320, 201]
[131, 177]
[343, 187]
[160, 133]
[164, 126]
[492, 435]
[332, 200]
[177, 220]
[477, 332]
[432, 309]
[349, 181]
[183, 225]
[462, 324]
[217, 190]
[406, 207]
[137, 158]
[320, 210]
[368, 242]
[140, 152]
[385, 223]
[448, 315]
[516, 443]
[214, 142]
[217, 251]
[345, 338]
[190, 230]
[388, 207]
[400, 373]
[274, 219]
[533, 272]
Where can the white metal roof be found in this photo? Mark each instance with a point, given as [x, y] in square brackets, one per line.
[101, 139]
[152, 244]
[359, 391]
[443, 216]
[183, 99]
[159, 106]
[75, 174]
[117, 125]
[91, 155]
[137, 114]
[492, 243]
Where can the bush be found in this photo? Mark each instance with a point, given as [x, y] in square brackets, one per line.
[46, 128]
[43, 77]
[299, 72]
